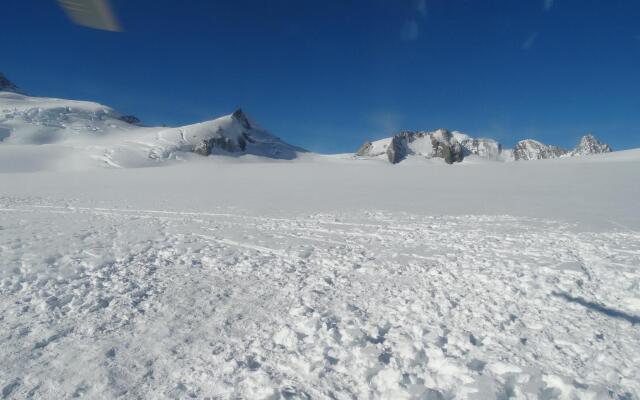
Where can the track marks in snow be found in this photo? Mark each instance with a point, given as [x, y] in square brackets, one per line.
[161, 303]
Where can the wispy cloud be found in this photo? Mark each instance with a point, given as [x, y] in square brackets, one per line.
[531, 39]
[410, 30]
[548, 4]
[386, 123]
[411, 27]
[421, 7]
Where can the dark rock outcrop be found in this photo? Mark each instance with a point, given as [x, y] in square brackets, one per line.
[397, 150]
[130, 119]
[7, 85]
[221, 143]
[241, 117]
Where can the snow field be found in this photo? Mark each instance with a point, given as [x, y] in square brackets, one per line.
[119, 302]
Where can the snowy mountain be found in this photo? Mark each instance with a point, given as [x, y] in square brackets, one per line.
[97, 132]
[530, 149]
[455, 146]
[233, 134]
[441, 143]
[484, 148]
[41, 120]
[437, 144]
[590, 145]
[119, 140]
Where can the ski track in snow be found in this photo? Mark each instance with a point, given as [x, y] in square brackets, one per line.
[106, 302]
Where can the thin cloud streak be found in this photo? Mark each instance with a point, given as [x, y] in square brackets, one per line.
[410, 30]
[526, 45]
[386, 123]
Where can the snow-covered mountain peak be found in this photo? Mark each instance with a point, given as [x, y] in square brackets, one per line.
[452, 146]
[119, 140]
[7, 85]
[530, 149]
[233, 134]
[590, 145]
[440, 143]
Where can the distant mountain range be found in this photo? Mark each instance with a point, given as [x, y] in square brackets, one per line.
[122, 139]
[456, 146]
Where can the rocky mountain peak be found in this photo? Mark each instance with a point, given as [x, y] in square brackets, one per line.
[241, 117]
[530, 149]
[7, 85]
[590, 145]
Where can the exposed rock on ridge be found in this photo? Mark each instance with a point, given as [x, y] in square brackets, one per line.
[7, 85]
[455, 146]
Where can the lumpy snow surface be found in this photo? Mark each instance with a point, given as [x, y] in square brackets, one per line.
[322, 278]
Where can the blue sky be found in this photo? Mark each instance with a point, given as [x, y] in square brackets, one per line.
[330, 75]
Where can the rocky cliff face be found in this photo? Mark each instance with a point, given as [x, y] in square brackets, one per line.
[590, 145]
[530, 149]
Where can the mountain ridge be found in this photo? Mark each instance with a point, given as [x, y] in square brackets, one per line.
[119, 139]
[455, 146]
[27, 119]
[7, 85]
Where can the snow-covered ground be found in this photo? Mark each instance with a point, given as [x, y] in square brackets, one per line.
[322, 277]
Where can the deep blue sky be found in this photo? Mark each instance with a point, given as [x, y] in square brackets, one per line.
[328, 75]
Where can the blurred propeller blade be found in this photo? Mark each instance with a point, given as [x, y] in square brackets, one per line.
[94, 14]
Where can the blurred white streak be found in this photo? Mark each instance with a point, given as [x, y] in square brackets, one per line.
[548, 4]
[94, 14]
[530, 41]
